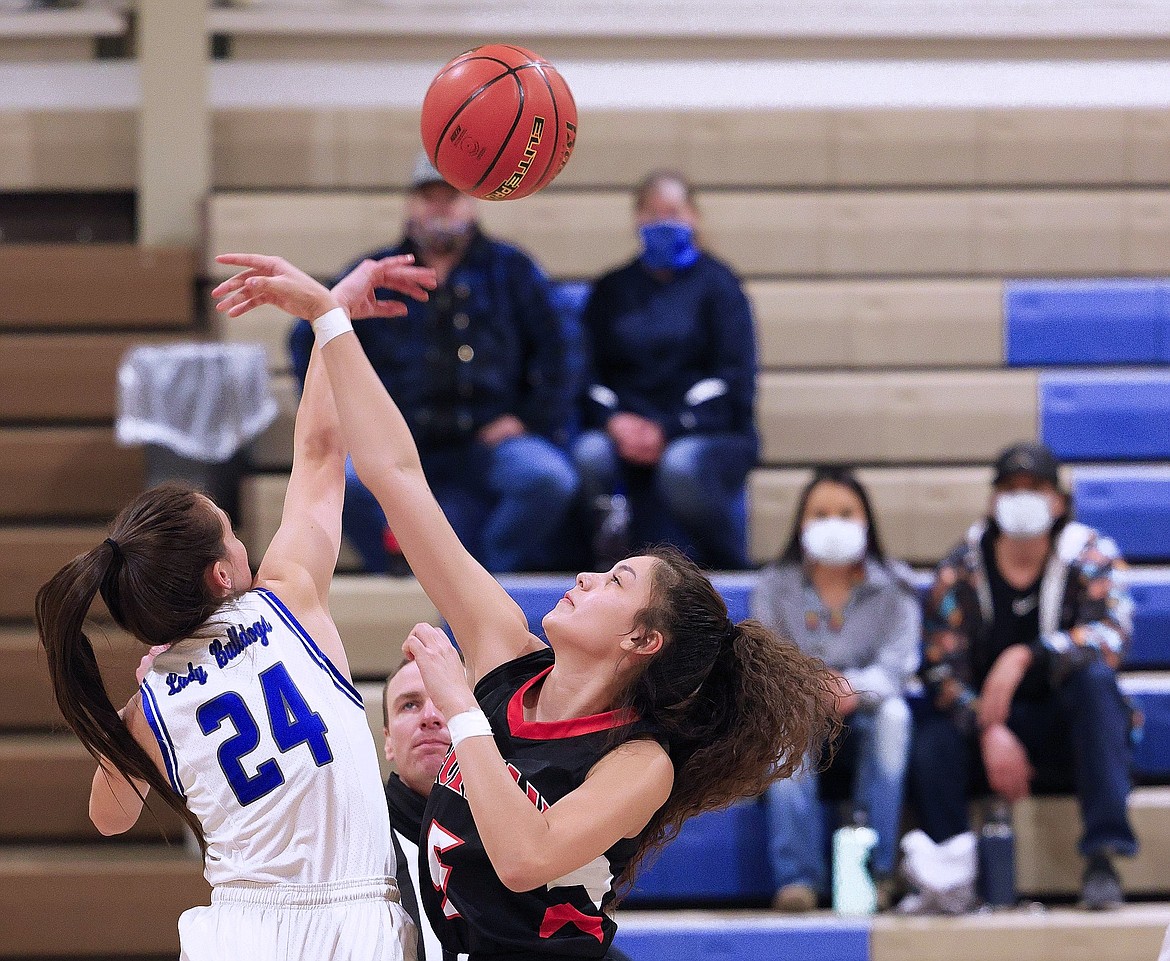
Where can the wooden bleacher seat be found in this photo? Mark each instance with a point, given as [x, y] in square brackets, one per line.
[22, 665]
[351, 142]
[863, 417]
[1133, 933]
[374, 615]
[55, 149]
[70, 377]
[64, 473]
[272, 450]
[30, 555]
[36, 767]
[840, 417]
[83, 900]
[1047, 830]
[804, 324]
[762, 233]
[95, 286]
[878, 323]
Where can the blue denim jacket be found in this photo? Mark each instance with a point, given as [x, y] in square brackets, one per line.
[487, 343]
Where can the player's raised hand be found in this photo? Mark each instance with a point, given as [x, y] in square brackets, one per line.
[441, 669]
[147, 661]
[274, 281]
[357, 290]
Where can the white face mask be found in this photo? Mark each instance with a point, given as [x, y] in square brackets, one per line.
[1023, 514]
[834, 540]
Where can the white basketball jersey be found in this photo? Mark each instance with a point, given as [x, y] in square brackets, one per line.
[268, 743]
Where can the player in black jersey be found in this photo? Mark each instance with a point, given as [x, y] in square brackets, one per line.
[570, 762]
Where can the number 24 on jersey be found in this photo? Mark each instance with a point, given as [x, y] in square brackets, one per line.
[291, 720]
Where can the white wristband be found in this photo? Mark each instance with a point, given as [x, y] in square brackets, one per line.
[468, 724]
[332, 323]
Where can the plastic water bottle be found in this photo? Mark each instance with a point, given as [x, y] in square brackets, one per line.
[612, 541]
[997, 857]
[854, 891]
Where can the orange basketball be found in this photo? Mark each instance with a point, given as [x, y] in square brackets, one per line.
[499, 122]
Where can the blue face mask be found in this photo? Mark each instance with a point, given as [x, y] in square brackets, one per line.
[668, 245]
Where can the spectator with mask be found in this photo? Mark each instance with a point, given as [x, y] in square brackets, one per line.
[476, 372]
[671, 387]
[836, 594]
[1026, 625]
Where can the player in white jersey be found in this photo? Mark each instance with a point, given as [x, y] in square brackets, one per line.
[569, 762]
[247, 724]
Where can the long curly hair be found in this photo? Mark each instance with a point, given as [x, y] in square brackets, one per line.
[736, 706]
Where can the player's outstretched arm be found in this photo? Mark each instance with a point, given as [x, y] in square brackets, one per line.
[490, 626]
[530, 847]
[303, 554]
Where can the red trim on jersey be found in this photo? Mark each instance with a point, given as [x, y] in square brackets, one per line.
[559, 915]
[550, 730]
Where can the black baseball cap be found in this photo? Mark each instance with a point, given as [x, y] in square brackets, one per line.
[1031, 458]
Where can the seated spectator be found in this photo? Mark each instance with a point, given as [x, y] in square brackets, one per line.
[476, 371]
[1026, 624]
[836, 594]
[669, 406]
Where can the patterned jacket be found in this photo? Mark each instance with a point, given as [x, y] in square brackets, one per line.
[1085, 613]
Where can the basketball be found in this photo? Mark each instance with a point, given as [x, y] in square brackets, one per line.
[499, 122]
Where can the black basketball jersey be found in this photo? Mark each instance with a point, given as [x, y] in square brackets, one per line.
[469, 907]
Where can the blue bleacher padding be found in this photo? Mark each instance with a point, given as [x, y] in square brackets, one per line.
[1106, 416]
[743, 939]
[1151, 620]
[1151, 755]
[537, 594]
[717, 857]
[1055, 322]
[737, 593]
[1130, 504]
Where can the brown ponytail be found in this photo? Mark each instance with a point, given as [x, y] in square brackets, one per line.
[736, 706]
[150, 574]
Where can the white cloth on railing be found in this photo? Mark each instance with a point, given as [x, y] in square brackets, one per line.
[203, 401]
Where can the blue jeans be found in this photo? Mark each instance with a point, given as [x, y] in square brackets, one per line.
[508, 503]
[693, 497]
[876, 743]
[1083, 727]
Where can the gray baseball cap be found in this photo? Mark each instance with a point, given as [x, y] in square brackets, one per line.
[424, 172]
